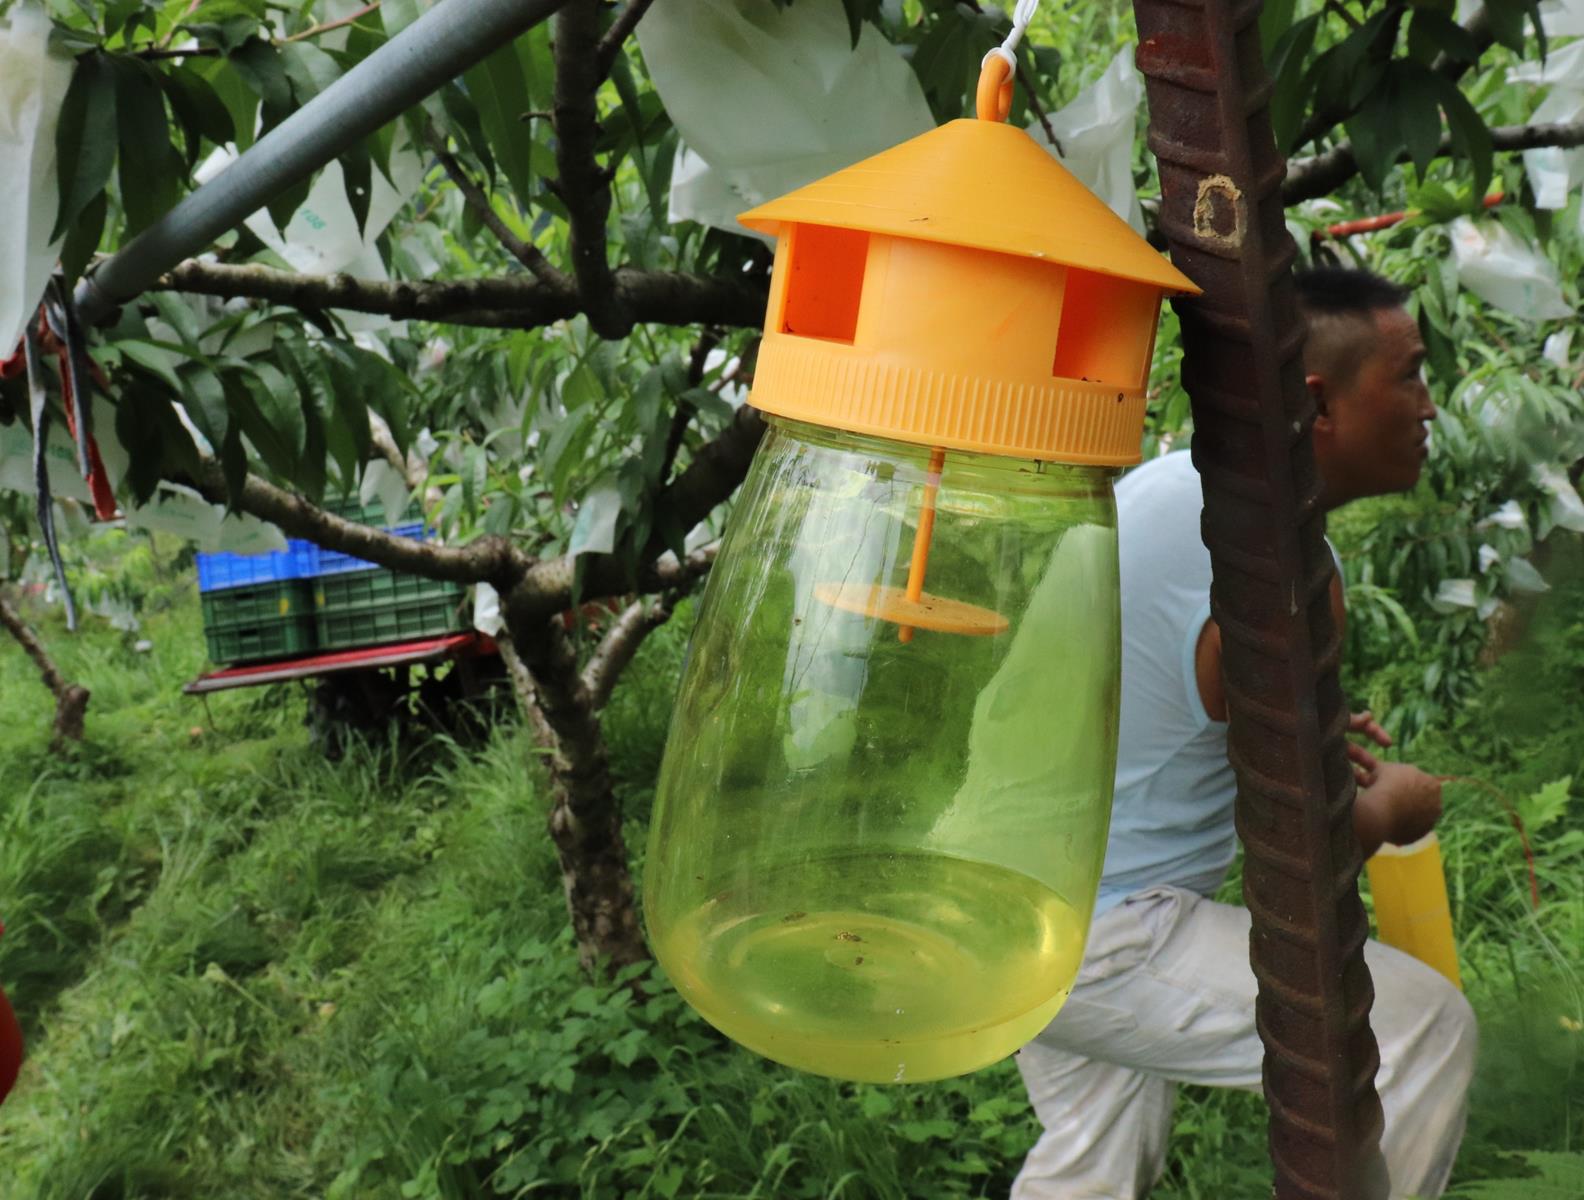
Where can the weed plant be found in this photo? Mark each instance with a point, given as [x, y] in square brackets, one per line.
[248, 972]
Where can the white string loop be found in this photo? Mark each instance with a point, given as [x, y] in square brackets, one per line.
[1021, 16]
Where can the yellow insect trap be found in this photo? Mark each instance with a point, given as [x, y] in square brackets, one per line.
[882, 813]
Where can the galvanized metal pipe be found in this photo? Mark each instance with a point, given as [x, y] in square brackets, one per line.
[438, 46]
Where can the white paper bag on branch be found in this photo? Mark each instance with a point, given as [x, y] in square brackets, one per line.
[768, 99]
[1505, 273]
[1096, 133]
[322, 236]
[33, 85]
[175, 508]
[1554, 172]
[1563, 18]
[60, 457]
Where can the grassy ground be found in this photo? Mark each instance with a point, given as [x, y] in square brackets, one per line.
[246, 972]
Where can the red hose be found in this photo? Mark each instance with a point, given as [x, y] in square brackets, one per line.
[1344, 229]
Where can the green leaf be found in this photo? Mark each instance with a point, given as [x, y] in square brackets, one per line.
[858, 11]
[389, 395]
[944, 62]
[1506, 20]
[260, 66]
[1431, 33]
[1545, 806]
[627, 90]
[1418, 114]
[179, 316]
[1470, 136]
[1347, 73]
[156, 360]
[203, 116]
[562, 450]
[1292, 80]
[308, 69]
[150, 168]
[466, 125]
[85, 139]
[1436, 202]
[396, 15]
[280, 404]
[346, 422]
[234, 465]
[83, 239]
[138, 430]
[498, 88]
[241, 101]
[357, 175]
[1275, 22]
[1377, 139]
[116, 13]
[285, 203]
[207, 402]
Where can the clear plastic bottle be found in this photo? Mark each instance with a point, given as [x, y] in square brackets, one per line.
[880, 824]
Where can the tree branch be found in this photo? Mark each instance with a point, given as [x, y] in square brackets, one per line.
[527, 695]
[161, 52]
[714, 474]
[491, 560]
[523, 251]
[71, 699]
[659, 297]
[1324, 173]
[350, 19]
[620, 643]
[585, 815]
[583, 184]
[621, 29]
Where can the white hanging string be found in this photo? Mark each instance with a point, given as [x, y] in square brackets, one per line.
[1021, 16]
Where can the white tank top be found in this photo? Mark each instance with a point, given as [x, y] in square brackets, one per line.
[1171, 819]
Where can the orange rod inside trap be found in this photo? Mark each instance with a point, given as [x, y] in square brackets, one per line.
[926, 530]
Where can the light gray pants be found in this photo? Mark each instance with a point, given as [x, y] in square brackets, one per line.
[1166, 996]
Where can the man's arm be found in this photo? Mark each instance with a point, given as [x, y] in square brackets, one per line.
[1396, 803]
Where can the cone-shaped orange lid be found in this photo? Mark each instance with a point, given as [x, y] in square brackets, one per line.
[982, 185]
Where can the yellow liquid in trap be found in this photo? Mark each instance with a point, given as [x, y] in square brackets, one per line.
[888, 968]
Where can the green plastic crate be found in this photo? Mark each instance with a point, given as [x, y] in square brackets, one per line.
[276, 638]
[398, 622]
[257, 603]
[360, 590]
[372, 513]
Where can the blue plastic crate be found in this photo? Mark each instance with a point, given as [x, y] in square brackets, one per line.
[226, 570]
[332, 562]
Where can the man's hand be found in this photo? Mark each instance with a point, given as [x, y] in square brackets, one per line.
[1400, 806]
[1365, 764]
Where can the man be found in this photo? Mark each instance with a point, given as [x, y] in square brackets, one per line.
[1166, 994]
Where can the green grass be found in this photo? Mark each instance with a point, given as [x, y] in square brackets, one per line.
[248, 972]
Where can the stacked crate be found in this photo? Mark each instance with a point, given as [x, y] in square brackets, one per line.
[359, 604]
[290, 602]
[257, 606]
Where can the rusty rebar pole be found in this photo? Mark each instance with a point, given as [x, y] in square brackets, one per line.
[1221, 212]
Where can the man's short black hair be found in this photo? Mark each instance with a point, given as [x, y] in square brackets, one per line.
[1344, 291]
